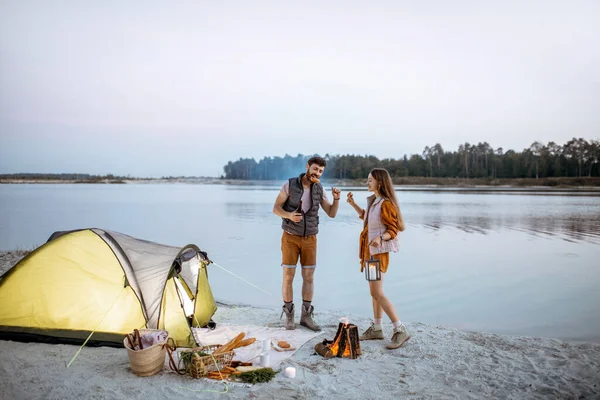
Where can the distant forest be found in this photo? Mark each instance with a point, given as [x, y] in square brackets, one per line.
[78, 178]
[576, 158]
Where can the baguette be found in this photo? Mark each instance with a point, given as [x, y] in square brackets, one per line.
[245, 342]
[231, 344]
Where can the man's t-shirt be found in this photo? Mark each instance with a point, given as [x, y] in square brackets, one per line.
[306, 203]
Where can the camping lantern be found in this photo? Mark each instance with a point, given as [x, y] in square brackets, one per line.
[372, 270]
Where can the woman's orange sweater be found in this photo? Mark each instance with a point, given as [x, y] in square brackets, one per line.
[389, 218]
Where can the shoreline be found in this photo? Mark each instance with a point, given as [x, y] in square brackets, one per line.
[401, 184]
[438, 362]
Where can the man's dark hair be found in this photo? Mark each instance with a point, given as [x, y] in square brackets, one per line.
[320, 161]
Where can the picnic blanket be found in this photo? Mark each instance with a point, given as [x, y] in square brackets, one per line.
[223, 333]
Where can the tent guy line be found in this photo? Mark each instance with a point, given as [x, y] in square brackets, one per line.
[239, 277]
[96, 327]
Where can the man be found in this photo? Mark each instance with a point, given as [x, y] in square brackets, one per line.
[298, 205]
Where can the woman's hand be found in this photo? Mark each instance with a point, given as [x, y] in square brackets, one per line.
[350, 199]
[375, 242]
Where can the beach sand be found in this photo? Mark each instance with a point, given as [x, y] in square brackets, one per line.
[437, 363]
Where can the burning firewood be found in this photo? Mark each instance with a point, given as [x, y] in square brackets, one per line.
[345, 344]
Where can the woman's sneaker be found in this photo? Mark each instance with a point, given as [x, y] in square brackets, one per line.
[372, 333]
[399, 337]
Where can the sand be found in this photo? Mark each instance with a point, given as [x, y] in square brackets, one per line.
[437, 363]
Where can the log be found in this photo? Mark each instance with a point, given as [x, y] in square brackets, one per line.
[346, 337]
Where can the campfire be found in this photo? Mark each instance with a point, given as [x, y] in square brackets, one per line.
[345, 343]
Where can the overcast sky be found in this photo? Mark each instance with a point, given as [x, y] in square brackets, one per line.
[158, 88]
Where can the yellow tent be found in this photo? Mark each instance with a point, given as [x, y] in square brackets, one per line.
[97, 280]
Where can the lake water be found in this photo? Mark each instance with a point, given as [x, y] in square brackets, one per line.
[504, 262]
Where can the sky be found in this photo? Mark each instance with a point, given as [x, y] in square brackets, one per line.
[179, 88]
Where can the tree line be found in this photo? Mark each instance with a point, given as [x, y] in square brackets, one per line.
[68, 177]
[576, 158]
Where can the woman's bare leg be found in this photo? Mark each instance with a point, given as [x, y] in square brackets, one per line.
[381, 302]
[377, 310]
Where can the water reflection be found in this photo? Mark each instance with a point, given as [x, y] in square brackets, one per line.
[566, 217]
[251, 212]
[570, 228]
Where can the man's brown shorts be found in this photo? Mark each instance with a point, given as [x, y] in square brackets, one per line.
[293, 246]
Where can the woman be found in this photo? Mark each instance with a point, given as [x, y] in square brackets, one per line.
[383, 221]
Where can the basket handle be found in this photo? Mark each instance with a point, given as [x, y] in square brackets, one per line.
[131, 340]
[171, 347]
[139, 338]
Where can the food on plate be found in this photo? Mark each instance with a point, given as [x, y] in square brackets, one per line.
[283, 344]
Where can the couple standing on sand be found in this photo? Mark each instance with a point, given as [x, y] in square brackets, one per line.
[298, 205]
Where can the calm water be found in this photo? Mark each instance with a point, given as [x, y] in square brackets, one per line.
[505, 262]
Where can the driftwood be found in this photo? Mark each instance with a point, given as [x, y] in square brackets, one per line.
[346, 341]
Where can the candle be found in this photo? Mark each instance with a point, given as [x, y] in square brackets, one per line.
[372, 272]
[290, 372]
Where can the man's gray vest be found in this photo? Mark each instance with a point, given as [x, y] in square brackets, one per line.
[310, 220]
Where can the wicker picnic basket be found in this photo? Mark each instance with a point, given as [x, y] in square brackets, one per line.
[199, 366]
[148, 361]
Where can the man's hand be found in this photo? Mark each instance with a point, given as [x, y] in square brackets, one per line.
[295, 216]
[336, 193]
[331, 208]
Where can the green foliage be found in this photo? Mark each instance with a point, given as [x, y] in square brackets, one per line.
[576, 158]
[186, 356]
[257, 376]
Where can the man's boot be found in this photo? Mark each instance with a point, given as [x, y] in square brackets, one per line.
[289, 314]
[306, 319]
